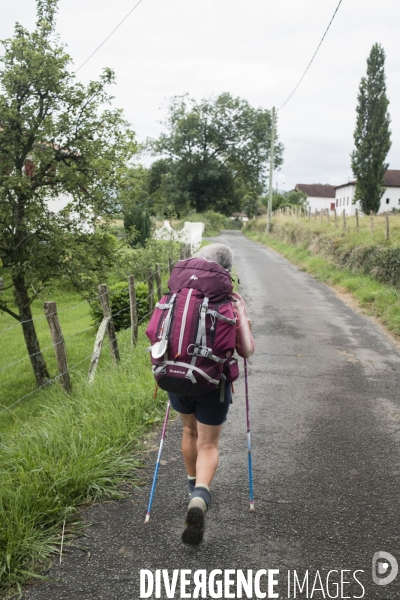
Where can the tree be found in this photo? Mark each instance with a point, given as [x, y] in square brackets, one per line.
[217, 152]
[292, 198]
[134, 189]
[372, 134]
[137, 225]
[250, 205]
[54, 140]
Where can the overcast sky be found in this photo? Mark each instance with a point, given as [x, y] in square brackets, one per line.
[255, 49]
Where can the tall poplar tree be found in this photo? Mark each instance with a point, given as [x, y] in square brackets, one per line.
[372, 134]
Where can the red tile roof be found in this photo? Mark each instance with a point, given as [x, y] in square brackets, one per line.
[392, 179]
[316, 190]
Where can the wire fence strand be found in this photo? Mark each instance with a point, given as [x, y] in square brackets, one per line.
[54, 379]
[67, 337]
[163, 267]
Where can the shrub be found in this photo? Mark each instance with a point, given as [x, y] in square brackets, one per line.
[137, 225]
[136, 261]
[119, 304]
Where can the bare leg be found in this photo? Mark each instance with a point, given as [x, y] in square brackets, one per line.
[189, 443]
[207, 453]
[200, 449]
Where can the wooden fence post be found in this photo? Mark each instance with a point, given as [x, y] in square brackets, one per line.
[97, 348]
[309, 212]
[170, 265]
[371, 221]
[357, 222]
[112, 336]
[50, 310]
[328, 215]
[387, 225]
[158, 282]
[322, 215]
[133, 307]
[150, 285]
[344, 219]
[335, 215]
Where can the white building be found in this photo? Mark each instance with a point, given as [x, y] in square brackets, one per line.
[391, 198]
[192, 233]
[319, 196]
[56, 204]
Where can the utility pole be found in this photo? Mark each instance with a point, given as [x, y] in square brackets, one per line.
[271, 169]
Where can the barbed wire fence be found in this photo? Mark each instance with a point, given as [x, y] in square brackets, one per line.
[106, 328]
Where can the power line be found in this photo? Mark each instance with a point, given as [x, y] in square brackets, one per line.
[314, 55]
[108, 37]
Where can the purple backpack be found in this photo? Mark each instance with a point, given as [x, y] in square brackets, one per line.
[192, 331]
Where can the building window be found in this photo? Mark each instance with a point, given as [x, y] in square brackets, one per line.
[333, 205]
[387, 200]
[347, 200]
[337, 202]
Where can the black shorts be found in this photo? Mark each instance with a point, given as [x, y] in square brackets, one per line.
[207, 409]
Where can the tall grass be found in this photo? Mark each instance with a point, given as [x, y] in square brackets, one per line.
[77, 449]
[304, 229]
[18, 380]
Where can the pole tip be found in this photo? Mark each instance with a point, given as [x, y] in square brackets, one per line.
[252, 507]
[147, 519]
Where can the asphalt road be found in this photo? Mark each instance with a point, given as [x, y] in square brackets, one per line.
[325, 421]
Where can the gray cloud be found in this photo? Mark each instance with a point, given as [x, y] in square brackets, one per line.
[255, 49]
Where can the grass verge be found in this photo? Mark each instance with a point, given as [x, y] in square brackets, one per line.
[78, 449]
[382, 301]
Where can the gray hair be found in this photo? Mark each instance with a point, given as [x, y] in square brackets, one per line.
[219, 253]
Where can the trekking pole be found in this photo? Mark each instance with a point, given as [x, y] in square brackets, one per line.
[153, 487]
[249, 459]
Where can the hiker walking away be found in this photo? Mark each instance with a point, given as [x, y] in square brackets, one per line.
[193, 338]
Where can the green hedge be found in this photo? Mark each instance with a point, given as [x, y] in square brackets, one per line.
[382, 263]
[120, 307]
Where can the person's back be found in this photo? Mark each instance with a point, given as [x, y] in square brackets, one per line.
[203, 405]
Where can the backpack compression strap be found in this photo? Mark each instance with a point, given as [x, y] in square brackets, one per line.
[201, 336]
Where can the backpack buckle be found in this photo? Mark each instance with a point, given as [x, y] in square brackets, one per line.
[199, 351]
